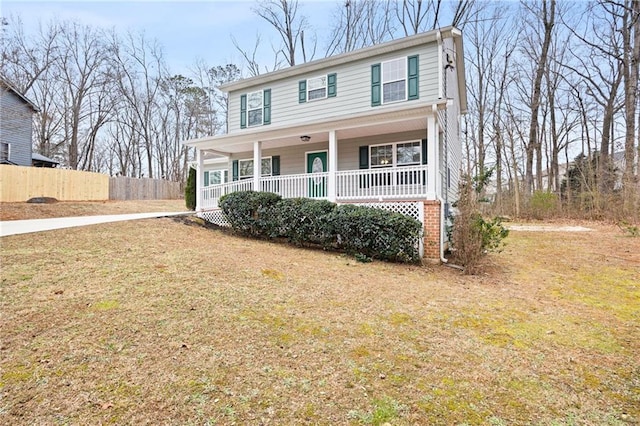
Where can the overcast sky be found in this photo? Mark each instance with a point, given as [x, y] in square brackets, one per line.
[186, 29]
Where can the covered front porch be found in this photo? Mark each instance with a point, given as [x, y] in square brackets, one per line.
[382, 184]
[382, 157]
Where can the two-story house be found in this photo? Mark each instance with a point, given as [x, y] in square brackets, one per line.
[377, 126]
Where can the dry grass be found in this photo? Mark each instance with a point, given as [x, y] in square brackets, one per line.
[18, 211]
[158, 322]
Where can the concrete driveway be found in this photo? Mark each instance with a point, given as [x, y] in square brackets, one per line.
[14, 227]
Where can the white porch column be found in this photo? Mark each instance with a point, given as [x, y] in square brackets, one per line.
[257, 165]
[199, 178]
[432, 154]
[333, 166]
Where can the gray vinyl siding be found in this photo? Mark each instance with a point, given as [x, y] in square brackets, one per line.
[293, 158]
[16, 127]
[353, 90]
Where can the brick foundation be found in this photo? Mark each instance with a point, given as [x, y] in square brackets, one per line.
[432, 230]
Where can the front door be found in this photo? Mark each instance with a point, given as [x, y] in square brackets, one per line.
[317, 163]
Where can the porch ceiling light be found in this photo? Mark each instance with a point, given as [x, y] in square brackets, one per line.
[305, 138]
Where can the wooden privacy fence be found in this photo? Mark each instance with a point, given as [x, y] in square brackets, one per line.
[126, 188]
[18, 184]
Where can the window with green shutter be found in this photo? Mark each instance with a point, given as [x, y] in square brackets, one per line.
[266, 116]
[243, 111]
[375, 85]
[395, 80]
[302, 91]
[325, 86]
[255, 108]
[332, 85]
[412, 74]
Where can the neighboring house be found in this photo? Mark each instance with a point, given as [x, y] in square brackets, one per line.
[16, 129]
[377, 126]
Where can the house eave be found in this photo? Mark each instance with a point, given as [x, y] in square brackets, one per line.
[10, 87]
[342, 58]
[390, 114]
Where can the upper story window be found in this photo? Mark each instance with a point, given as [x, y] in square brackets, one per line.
[396, 154]
[394, 81]
[322, 87]
[255, 108]
[317, 88]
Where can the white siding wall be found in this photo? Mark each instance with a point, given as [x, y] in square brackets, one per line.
[449, 120]
[16, 127]
[353, 90]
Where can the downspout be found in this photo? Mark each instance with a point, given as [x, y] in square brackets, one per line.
[446, 152]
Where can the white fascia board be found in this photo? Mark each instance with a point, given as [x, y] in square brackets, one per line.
[378, 115]
[333, 61]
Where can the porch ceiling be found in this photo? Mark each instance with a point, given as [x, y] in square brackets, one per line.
[392, 119]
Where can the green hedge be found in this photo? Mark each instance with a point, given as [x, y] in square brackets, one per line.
[362, 231]
[242, 211]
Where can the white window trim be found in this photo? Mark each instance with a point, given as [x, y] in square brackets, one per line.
[8, 151]
[394, 154]
[405, 79]
[326, 88]
[256, 109]
[240, 177]
[224, 176]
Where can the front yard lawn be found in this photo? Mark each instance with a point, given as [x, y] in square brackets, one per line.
[158, 322]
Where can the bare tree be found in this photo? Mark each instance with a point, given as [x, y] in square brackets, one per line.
[251, 61]
[416, 16]
[630, 62]
[83, 76]
[547, 15]
[360, 23]
[283, 17]
[139, 72]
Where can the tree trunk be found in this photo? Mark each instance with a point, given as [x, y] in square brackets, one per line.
[548, 18]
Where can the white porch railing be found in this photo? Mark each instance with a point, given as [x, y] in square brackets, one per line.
[308, 185]
[391, 183]
[382, 183]
[211, 194]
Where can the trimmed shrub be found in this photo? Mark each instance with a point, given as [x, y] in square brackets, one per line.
[190, 190]
[364, 232]
[301, 220]
[376, 233]
[243, 211]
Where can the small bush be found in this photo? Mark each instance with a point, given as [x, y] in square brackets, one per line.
[543, 204]
[473, 235]
[190, 190]
[365, 232]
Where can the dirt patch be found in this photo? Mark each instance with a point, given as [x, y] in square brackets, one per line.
[20, 211]
[140, 322]
[548, 228]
